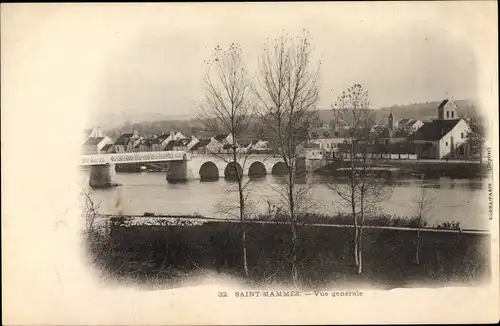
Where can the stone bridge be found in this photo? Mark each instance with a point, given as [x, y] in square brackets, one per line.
[183, 166]
[205, 167]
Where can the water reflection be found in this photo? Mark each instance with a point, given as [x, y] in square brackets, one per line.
[464, 201]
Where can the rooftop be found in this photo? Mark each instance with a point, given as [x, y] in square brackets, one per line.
[93, 141]
[220, 138]
[200, 144]
[443, 103]
[434, 130]
[106, 147]
[124, 139]
[176, 143]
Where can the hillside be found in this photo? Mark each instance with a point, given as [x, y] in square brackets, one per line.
[152, 123]
[421, 111]
[112, 120]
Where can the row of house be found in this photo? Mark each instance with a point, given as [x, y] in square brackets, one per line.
[440, 138]
[96, 143]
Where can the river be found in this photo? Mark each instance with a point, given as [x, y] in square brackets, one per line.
[459, 200]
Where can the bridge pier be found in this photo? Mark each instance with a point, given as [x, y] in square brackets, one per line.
[177, 171]
[101, 176]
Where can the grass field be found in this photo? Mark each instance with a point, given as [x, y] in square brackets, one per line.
[166, 254]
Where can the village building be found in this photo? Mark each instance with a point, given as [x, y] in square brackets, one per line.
[159, 143]
[224, 139]
[97, 145]
[207, 146]
[443, 137]
[108, 148]
[261, 145]
[310, 151]
[228, 148]
[377, 128]
[96, 142]
[86, 134]
[410, 125]
[388, 137]
[142, 145]
[193, 141]
[329, 144]
[176, 135]
[246, 146]
[178, 145]
[123, 143]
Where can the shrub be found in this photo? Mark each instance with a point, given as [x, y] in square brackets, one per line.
[449, 226]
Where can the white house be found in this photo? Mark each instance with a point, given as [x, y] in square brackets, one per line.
[96, 142]
[310, 151]
[96, 133]
[193, 142]
[96, 145]
[441, 138]
[329, 144]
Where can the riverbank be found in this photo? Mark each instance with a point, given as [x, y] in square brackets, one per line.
[429, 168]
[171, 249]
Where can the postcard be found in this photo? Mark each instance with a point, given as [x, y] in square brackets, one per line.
[250, 163]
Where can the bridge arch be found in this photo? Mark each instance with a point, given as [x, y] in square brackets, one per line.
[279, 168]
[257, 169]
[209, 171]
[230, 170]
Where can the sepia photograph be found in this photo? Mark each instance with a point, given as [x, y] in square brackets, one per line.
[249, 156]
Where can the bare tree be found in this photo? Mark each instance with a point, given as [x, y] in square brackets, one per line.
[90, 211]
[364, 189]
[288, 91]
[422, 208]
[226, 109]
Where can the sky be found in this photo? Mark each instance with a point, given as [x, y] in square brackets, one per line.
[139, 58]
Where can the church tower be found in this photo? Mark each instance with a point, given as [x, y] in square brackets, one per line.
[447, 110]
[390, 125]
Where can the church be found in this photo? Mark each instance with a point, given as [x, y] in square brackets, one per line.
[444, 137]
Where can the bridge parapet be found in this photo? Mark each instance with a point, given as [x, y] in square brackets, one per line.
[229, 156]
[100, 159]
